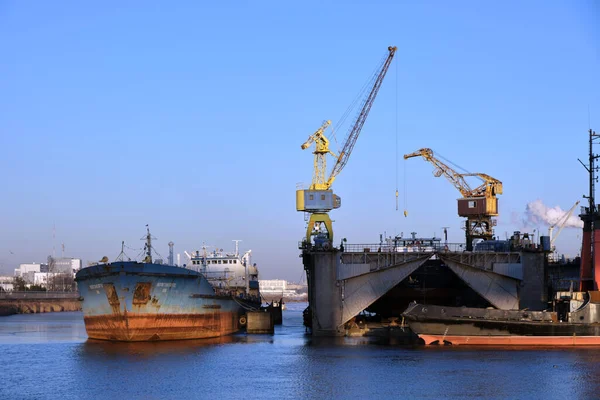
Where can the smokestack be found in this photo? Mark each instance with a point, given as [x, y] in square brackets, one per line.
[178, 259]
[596, 267]
[171, 244]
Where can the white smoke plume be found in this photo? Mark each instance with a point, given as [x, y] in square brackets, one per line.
[537, 213]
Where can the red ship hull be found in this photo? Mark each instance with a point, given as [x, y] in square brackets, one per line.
[511, 340]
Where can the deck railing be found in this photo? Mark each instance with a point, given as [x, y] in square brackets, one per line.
[421, 247]
[413, 248]
[390, 248]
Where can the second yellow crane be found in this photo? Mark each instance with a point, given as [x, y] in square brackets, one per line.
[478, 205]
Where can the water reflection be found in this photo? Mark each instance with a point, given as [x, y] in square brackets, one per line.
[42, 328]
[103, 348]
[289, 364]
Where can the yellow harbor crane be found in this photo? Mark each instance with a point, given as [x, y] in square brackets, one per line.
[319, 199]
[478, 205]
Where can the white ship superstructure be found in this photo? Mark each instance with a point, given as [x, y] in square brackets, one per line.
[225, 270]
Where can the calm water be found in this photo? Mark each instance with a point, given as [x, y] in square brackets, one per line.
[48, 356]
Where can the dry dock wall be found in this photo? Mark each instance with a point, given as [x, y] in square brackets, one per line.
[342, 284]
[534, 286]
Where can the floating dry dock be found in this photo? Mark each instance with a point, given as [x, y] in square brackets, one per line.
[344, 283]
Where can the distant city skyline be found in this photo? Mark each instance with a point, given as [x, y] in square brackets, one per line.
[190, 119]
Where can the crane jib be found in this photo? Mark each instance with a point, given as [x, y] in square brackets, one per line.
[357, 127]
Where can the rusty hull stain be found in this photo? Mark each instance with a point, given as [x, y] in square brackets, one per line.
[141, 294]
[113, 297]
[151, 326]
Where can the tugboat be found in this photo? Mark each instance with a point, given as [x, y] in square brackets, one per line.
[144, 301]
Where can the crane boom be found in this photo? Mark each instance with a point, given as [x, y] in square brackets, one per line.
[562, 221]
[490, 186]
[454, 177]
[360, 120]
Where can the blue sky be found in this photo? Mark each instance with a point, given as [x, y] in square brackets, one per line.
[189, 116]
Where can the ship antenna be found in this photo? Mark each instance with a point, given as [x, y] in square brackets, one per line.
[237, 247]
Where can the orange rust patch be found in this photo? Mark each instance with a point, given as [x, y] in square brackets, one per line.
[141, 295]
[594, 296]
[147, 326]
[113, 297]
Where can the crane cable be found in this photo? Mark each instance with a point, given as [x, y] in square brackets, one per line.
[456, 166]
[396, 136]
[397, 164]
[464, 171]
[362, 94]
[405, 202]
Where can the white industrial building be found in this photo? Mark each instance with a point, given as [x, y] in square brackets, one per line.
[6, 283]
[272, 285]
[64, 265]
[28, 271]
[25, 268]
[41, 278]
[272, 288]
[40, 273]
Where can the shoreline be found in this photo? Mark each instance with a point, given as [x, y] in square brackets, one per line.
[286, 299]
[35, 303]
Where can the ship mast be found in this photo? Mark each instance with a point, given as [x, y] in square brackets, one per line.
[246, 272]
[592, 173]
[592, 202]
[121, 256]
[589, 224]
[148, 246]
[204, 256]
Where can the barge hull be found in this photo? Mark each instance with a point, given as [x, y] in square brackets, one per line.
[511, 340]
[471, 326]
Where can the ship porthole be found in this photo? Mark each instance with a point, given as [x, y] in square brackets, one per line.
[243, 320]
